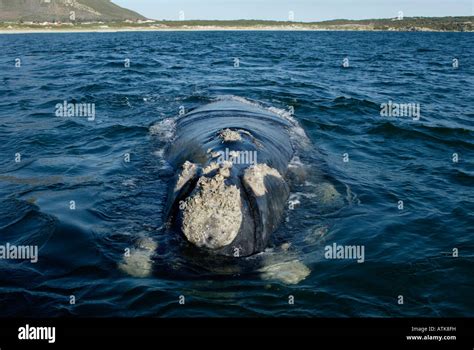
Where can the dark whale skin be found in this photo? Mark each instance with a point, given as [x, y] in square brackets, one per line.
[262, 131]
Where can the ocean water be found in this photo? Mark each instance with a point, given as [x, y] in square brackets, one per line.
[48, 161]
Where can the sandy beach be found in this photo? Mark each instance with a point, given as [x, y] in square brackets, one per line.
[193, 28]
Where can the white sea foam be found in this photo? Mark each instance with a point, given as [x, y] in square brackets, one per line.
[159, 153]
[139, 263]
[288, 272]
[129, 183]
[164, 129]
[295, 162]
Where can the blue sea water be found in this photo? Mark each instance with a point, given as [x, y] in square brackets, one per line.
[408, 252]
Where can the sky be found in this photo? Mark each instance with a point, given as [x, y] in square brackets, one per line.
[302, 10]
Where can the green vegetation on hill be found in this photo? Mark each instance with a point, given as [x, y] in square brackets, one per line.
[111, 10]
[411, 23]
[407, 24]
[60, 11]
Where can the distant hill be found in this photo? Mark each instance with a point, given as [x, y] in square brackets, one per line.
[60, 11]
[458, 24]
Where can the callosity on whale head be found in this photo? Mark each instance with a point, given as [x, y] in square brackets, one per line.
[230, 192]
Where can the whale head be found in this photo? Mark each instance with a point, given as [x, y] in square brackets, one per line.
[229, 210]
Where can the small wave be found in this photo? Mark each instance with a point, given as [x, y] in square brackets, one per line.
[95, 87]
[22, 223]
[462, 177]
[118, 131]
[453, 136]
[425, 49]
[353, 104]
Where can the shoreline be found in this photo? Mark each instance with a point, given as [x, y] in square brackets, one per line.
[208, 29]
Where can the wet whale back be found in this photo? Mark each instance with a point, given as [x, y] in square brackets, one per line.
[196, 134]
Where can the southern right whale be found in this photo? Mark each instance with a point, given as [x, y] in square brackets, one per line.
[234, 164]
